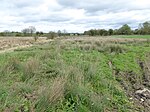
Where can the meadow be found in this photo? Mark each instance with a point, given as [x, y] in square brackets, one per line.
[133, 36]
[77, 74]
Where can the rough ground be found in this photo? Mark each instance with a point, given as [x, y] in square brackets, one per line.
[104, 39]
[8, 44]
[135, 85]
[138, 91]
[12, 43]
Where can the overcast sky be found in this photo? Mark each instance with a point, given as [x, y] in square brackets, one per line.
[72, 15]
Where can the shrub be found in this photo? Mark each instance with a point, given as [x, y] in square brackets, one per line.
[51, 35]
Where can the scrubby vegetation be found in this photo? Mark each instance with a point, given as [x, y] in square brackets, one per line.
[74, 76]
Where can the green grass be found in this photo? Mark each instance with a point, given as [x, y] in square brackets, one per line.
[65, 78]
[133, 36]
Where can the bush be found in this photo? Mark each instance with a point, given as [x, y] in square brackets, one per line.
[51, 35]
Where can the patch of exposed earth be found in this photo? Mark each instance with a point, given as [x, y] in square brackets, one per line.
[137, 88]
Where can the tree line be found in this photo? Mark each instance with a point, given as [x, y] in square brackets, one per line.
[32, 32]
[143, 29]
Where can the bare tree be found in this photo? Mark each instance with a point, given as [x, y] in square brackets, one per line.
[32, 30]
[59, 33]
[64, 32]
[6, 32]
[26, 31]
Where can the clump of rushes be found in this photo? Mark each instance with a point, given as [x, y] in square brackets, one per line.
[30, 68]
[11, 66]
[112, 48]
[50, 96]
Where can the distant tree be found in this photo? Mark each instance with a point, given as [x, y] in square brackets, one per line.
[92, 32]
[18, 34]
[115, 32]
[64, 32]
[2, 34]
[37, 33]
[26, 32]
[103, 32]
[41, 33]
[144, 28]
[137, 32]
[110, 32]
[59, 33]
[29, 31]
[125, 30]
[32, 30]
[7, 33]
[87, 33]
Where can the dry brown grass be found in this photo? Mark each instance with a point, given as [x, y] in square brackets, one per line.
[57, 90]
[12, 43]
[90, 40]
[50, 95]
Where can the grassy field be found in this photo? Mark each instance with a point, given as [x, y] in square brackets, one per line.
[133, 36]
[76, 75]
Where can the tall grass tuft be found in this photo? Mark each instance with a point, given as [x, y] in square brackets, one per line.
[112, 48]
[51, 95]
[11, 66]
[30, 68]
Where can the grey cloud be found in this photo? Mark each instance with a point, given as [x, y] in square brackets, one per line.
[55, 19]
[50, 18]
[96, 13]
[91, 5]
[25, 3]
[97, 5]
